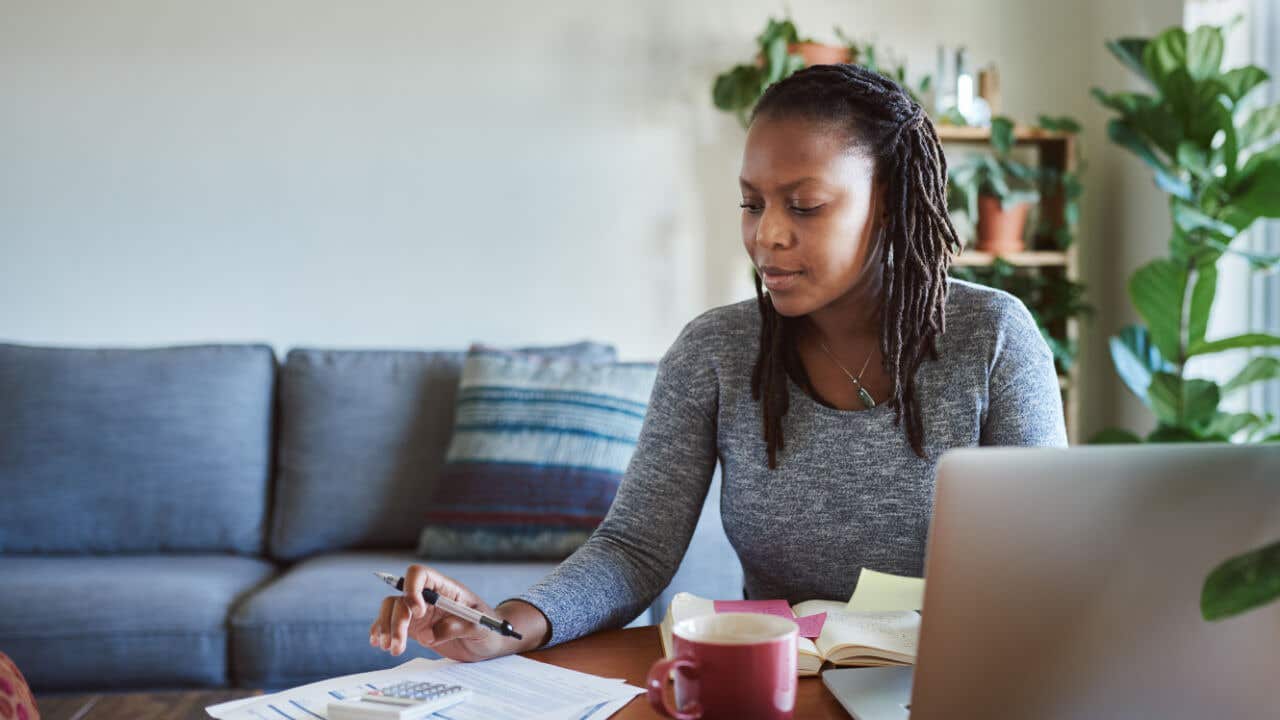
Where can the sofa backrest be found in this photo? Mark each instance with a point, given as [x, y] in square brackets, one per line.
[135, 450]
[362, 442]
[363, 435]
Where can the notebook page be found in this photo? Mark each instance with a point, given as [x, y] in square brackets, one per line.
[894, 631]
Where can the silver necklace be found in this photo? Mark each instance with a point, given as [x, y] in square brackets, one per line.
[867, 401]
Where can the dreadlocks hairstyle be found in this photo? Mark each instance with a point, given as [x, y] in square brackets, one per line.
[916, 236]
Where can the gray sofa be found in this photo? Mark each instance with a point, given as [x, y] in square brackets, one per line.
[205, 515]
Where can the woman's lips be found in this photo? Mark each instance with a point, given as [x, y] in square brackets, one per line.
[777, 280]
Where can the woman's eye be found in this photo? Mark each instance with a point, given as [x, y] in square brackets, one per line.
[749, 207]
[805, 210]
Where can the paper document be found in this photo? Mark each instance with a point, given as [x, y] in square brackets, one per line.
[882, 592]
[508, 687]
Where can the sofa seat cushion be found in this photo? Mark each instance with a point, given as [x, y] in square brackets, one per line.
[88, 622]
[313, 622]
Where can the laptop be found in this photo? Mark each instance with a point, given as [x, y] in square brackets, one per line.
[1065, 583]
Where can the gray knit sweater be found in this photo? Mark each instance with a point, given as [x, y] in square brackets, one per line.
[848, 491]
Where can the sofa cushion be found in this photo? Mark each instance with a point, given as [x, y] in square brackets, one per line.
[87, 622]
[135, 450]
[313, 622]
[363, 435]
[539, 446]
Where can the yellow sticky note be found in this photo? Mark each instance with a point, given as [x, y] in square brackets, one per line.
[882, 592]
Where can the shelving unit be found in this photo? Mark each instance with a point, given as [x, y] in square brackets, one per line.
[1056, 150]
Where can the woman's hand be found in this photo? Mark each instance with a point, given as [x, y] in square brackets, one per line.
[409, 616]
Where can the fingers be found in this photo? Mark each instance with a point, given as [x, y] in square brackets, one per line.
[399, 626]
[415, 578]
[381, 627]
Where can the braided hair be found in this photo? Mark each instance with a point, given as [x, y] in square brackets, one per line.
[916, 236]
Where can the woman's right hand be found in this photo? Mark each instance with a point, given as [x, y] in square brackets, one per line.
[407, 616]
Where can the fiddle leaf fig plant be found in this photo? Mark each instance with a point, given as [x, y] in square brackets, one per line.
[1218, 160]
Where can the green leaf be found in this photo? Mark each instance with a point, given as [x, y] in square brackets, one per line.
[1197, 105]
[1114, 436]
[1002, 134]
[1202, 292]
[1204, 51]
[1172, 434]
[1241, 80]
[1135, 359]
[1125, 103]
[1182, 403]
[1225, 425]
[1164, 54]
[1061, 124]
[1157, 290]
[1244, 582]
[736, 89]
[1129, 51]
[1190, 220]
[1125, 136]
[1255, 187]
[776, 52]
[1260, 125]
[1260, 368]
[1195, 159]
[1247, 340]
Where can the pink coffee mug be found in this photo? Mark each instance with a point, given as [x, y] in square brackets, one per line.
[730, 665]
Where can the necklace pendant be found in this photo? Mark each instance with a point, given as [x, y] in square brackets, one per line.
[867, 401]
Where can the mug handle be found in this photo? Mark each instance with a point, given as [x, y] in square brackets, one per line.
[657, 682]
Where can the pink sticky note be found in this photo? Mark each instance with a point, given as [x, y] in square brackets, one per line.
[768, 607]
[811, 625]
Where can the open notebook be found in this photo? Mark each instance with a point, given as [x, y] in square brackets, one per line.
[846, 638]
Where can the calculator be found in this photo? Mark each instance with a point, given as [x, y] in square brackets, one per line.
[405, 700]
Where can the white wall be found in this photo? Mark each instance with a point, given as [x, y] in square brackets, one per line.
[412, 174]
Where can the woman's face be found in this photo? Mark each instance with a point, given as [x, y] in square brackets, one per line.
[808, 216]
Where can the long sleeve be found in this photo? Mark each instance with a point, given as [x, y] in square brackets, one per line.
[636, 550]
[1024, 400]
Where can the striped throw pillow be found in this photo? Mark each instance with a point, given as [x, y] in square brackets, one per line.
[539, 446]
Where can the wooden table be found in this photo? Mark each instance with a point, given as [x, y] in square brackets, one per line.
[614, 653]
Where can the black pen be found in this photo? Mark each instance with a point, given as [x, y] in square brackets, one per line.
[455, 608]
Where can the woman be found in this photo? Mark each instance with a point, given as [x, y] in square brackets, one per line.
[828, 400]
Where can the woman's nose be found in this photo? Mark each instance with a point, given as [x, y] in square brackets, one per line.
[773, 231]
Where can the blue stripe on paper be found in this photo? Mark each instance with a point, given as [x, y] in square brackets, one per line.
[298, 705]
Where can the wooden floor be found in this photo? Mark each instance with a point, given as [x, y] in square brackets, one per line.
[164, 704]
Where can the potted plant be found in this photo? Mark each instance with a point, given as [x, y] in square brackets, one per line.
[1220, 165]
[781, 52]
[996, 190]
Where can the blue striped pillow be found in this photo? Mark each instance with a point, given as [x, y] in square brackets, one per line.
[539, 446]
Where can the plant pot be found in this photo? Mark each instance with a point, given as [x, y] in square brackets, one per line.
[819, 54]
[1000, 228]
[815, 54]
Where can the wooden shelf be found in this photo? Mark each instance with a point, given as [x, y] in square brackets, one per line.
[1021, 133]
[1030, 258]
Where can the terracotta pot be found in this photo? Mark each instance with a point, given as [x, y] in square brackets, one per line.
[1000, 229]
[815, 54]
[819, 54]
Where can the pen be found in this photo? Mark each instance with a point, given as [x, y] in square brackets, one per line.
[455, 608]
